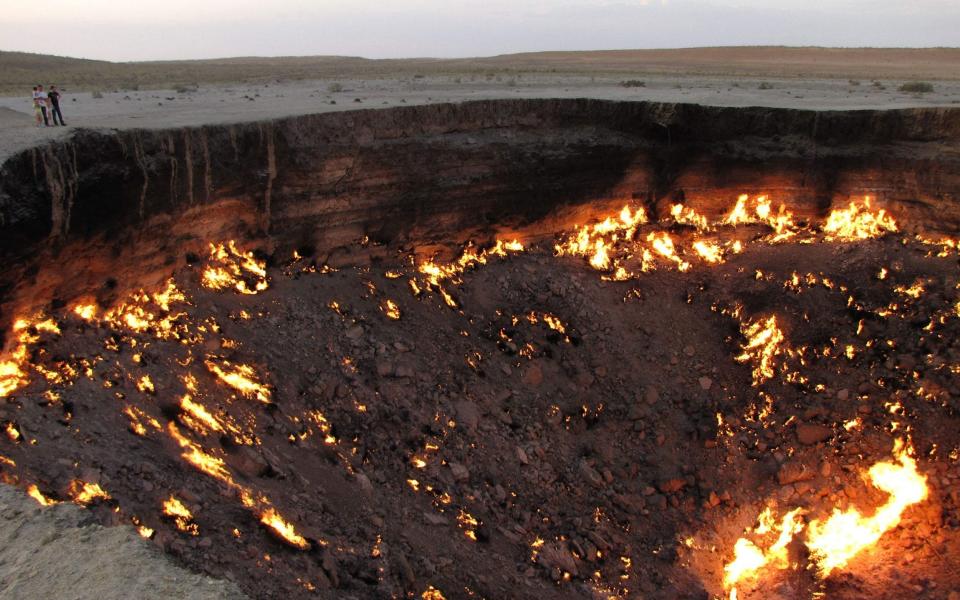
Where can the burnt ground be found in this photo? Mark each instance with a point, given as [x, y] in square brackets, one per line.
[621, 458]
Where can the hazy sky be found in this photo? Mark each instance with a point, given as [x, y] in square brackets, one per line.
[169, 29]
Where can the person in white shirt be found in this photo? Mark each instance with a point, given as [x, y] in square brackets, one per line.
[41, 97]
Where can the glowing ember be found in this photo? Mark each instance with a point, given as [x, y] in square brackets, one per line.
[858, 222]
[37, 495]
[229, 267]
[87, 493]
[432, 593]
[193, 454]
[242, 378]
[749, 558]
[763, 344]
[844, 534]
[285, 530]
[181, 515]
[391, 310]
[437, 274]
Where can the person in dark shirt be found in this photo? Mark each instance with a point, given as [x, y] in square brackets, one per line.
[54, 97]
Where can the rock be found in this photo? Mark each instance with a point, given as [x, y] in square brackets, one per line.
[384, 368]
[811, 433]
[705, 383]
[672, 485]
[689, 350]
[460, 472]
[793, 472]
[522, 456]
[355, 332]
[468, 416]
[590, 474]
[434, 519]
[557, 555]
[533, 376]
[651, 395]
[843, 395]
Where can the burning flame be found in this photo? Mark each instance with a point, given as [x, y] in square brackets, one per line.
[182, 517]
[285, 530]
[844, 534]
[228, 267]
[37, 495]
[749, 559]
[835, 541]
[242, 378]
[594, 242]
[86, 493]
[437, 274]
[763, 344]
[858, 222]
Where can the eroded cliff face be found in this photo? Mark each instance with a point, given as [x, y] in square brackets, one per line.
[109, 211]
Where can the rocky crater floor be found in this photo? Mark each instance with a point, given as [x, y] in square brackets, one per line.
[624, 409]
[513, 348]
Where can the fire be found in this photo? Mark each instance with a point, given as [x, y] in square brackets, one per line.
[285, 530]
[858, 222]
[749, 558]
[781, 222]
[242, 378]
[708, 251]
[228, 267]
[197, 417]
[594, 242]
[663, 244]
[391, 310]
[87, 493]
[688, 216]
[835, 541]
[432, 593]
[763, 344]
[145, 385]
[181, 515]
[844, 534]
[37, 495]
[437, 274]
[87, 312]
[13, 371]
[194, 454]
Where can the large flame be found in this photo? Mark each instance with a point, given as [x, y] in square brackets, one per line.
[845, 533]
[858, 222]
[835, 541]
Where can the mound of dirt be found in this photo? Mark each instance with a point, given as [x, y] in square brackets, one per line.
[61, 552]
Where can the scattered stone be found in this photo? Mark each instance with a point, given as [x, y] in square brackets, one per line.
[809, 434]
[705, 383]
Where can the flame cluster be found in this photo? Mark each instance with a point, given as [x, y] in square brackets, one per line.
[230, 268]
[437, 274]
[833, 541]
[858, 222]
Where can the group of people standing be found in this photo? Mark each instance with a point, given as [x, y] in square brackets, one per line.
[46, 106]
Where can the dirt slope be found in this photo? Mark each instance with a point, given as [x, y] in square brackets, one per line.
[62, 552]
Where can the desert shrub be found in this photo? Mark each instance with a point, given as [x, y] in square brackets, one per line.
[917, 87]
[854, 82]
[764, 86]
[335, 87]
[633, 83]
[96, 94]
[186, 88]
[511, 83]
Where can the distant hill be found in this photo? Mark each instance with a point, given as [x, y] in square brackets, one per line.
[20, 71]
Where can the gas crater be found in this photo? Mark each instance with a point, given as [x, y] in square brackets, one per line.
[530, 349]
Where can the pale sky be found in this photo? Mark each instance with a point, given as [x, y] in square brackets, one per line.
[175, 29]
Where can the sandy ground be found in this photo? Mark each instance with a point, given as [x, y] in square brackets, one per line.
[244, 102]
[35, 542]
